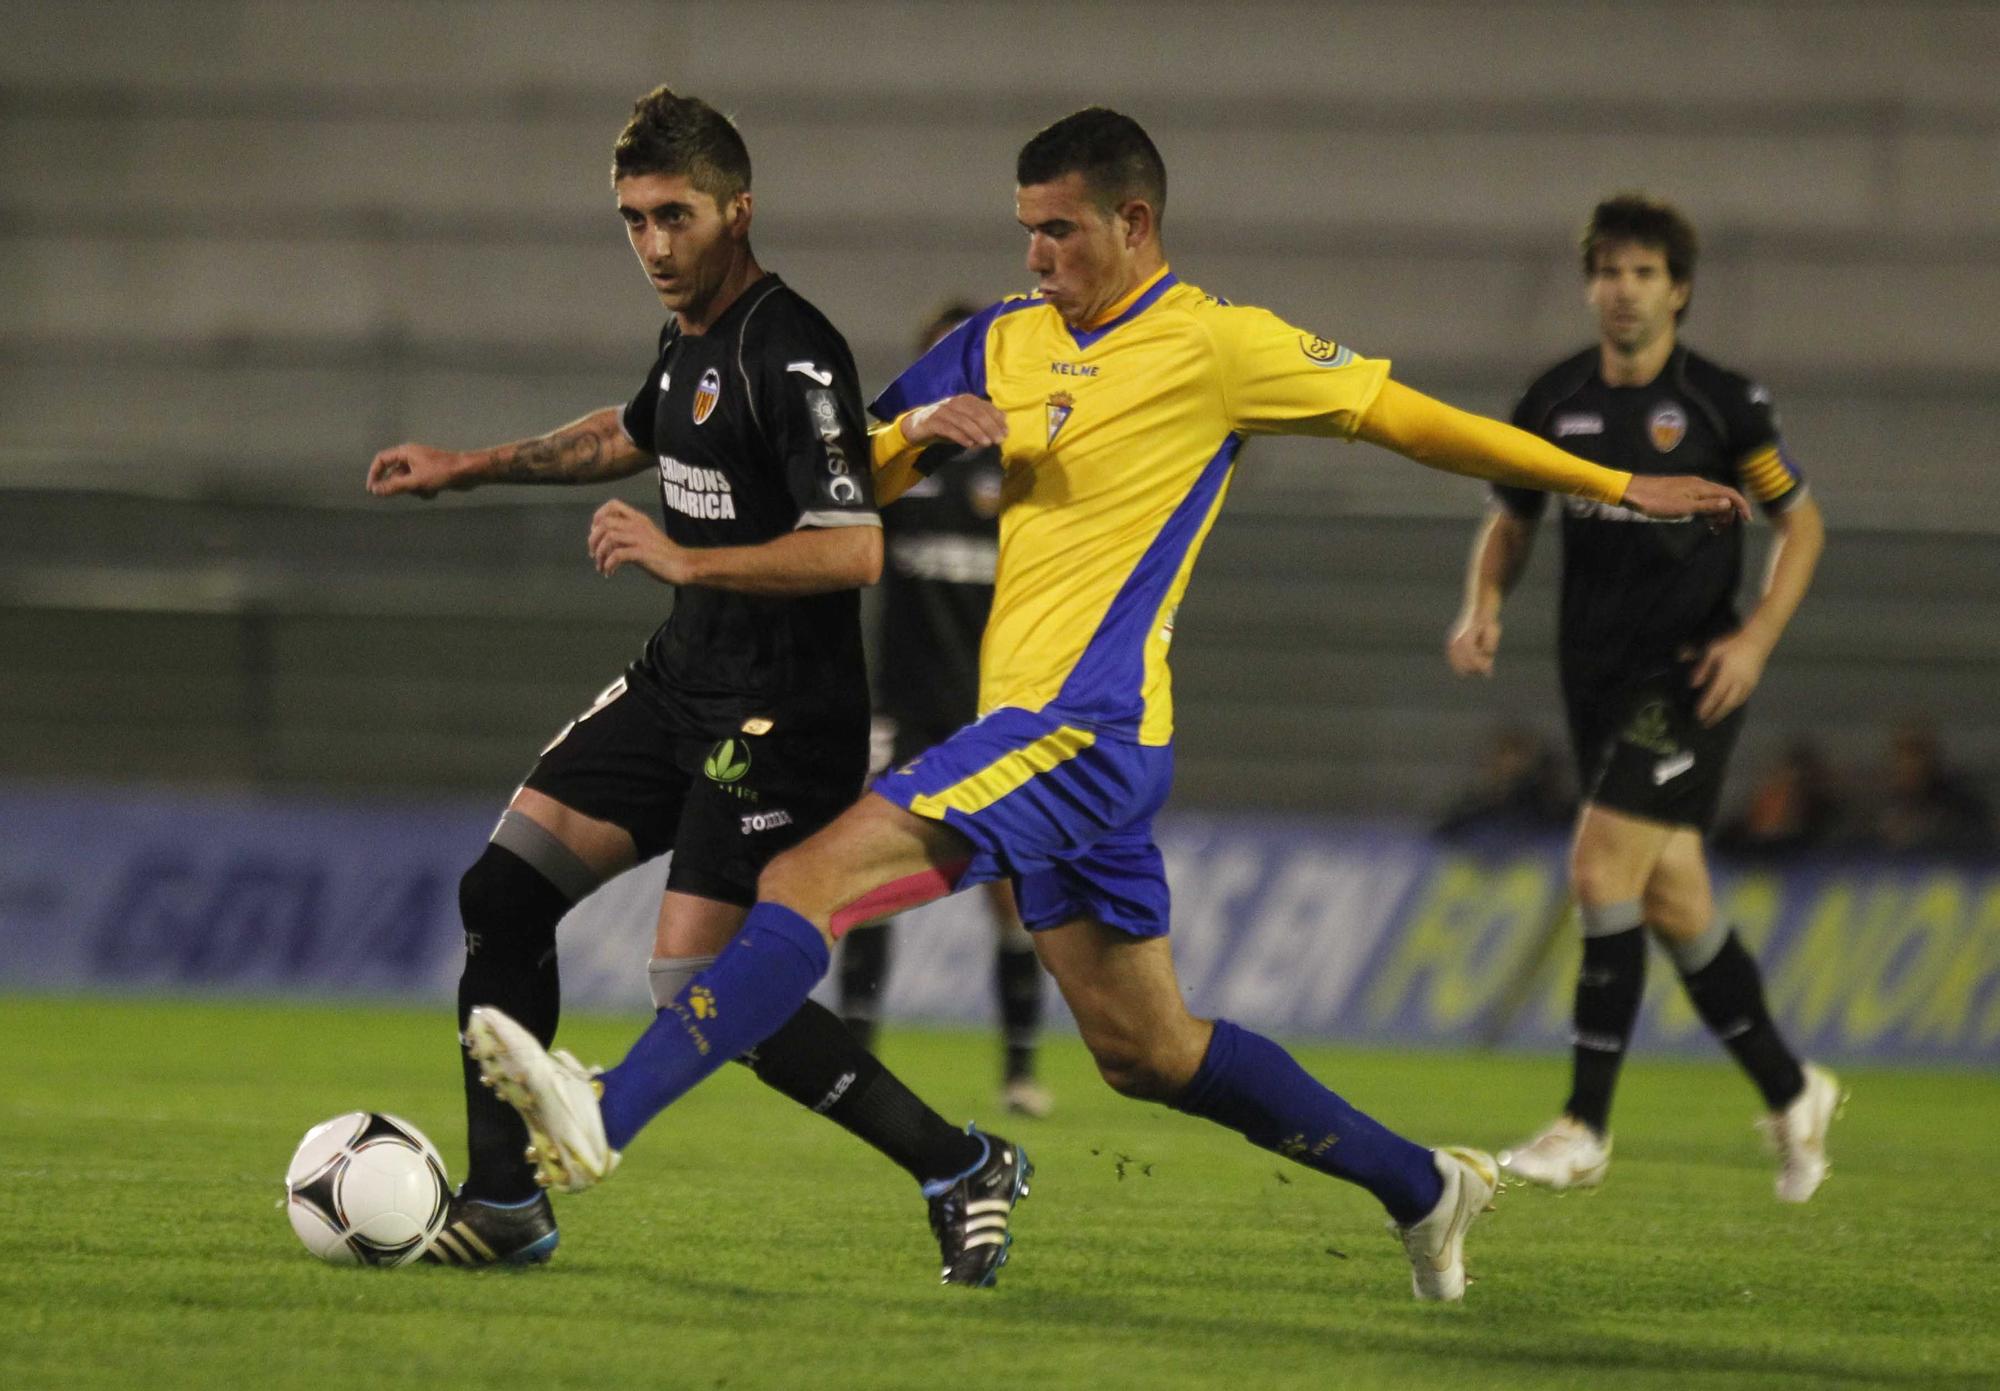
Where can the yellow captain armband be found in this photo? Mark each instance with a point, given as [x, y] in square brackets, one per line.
[1444, 437]
[1766, 475]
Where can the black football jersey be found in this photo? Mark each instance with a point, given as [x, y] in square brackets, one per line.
[757, 427]
[1636, 592]
[941, 541]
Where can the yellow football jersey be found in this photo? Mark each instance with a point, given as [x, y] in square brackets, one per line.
[1120, 445]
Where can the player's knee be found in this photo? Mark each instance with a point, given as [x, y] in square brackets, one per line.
[789, 879]
[1599, 879]
[482, 889]
[1129, 1074]
[1679, 906]
[1676, 917]
[1135, 1069]
[507, 906]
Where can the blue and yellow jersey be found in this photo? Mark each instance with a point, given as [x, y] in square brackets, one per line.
[1121, 441]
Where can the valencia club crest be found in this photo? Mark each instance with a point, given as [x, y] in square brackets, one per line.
[1668, 424]
[706, 393]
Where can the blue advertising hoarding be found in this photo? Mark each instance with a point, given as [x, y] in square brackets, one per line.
[1297, 927]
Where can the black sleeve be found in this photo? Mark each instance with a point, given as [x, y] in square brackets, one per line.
[1764, 470]
[1524, 503]
[808, 400]
[1749, 414]
[640, 412]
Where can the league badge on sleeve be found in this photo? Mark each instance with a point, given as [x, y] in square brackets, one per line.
[1667, 425]
[1324, 351]
[706, 393]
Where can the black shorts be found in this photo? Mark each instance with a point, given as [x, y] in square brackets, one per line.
[1640, 749]
[725, 807]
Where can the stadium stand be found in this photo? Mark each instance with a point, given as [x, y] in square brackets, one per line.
[244, 243]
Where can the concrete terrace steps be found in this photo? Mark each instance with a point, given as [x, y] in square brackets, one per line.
[377, 646]
[1794, 307]
[1775, 51]
[245, 243]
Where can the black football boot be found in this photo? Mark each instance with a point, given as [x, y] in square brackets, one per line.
[969, 1213]
[477, 1232]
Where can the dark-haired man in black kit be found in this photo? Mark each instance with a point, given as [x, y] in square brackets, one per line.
[942, 542]
[1656, 666]
[743, 726]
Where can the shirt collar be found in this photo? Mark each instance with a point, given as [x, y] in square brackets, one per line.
[1129, 307]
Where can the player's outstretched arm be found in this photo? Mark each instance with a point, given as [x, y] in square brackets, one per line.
[1500, 553]
[969, 422]
[594, 449]
[811, 560]
[1443, 437]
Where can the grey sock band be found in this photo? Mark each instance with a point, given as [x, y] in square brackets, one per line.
[1608, 919]
[667, 976]
[1690, 956]
[545, 854]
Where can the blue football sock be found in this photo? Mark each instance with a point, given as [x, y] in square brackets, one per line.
[1254, 1087]
[756, 984]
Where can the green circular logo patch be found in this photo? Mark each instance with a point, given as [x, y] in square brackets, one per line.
[728, 761]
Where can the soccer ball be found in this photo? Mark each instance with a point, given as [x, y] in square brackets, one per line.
[366, 1189]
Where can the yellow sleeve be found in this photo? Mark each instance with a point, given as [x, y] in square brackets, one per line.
[893, 460]
[1444, 437]
[1277, 379]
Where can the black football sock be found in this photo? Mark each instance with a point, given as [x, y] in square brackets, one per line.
[510, 910]
[1017, 975]
[864, 973]
[815, 1061]
[1728, 994]
[1609, 986]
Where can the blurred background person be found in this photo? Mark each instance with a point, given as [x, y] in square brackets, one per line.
[942, 540]
[1925, 805]
[1520, 786]
[1796, 804]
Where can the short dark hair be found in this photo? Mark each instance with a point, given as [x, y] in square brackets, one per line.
[1649, 222]
[685, 136]
[1116, 157]
[949, 316]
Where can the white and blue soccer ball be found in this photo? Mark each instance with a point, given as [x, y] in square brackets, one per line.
[366, 1189]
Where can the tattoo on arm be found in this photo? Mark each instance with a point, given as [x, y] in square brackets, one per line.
[591, 450]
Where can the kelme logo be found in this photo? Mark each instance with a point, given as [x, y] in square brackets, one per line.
[728, 761]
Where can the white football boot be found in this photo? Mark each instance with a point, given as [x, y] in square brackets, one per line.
[1797, 1135]
[555, 1094]
[1436, 1244]
[1566, 1154]
[1023, 1096]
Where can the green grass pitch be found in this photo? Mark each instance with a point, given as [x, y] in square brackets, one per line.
[745, 1244]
